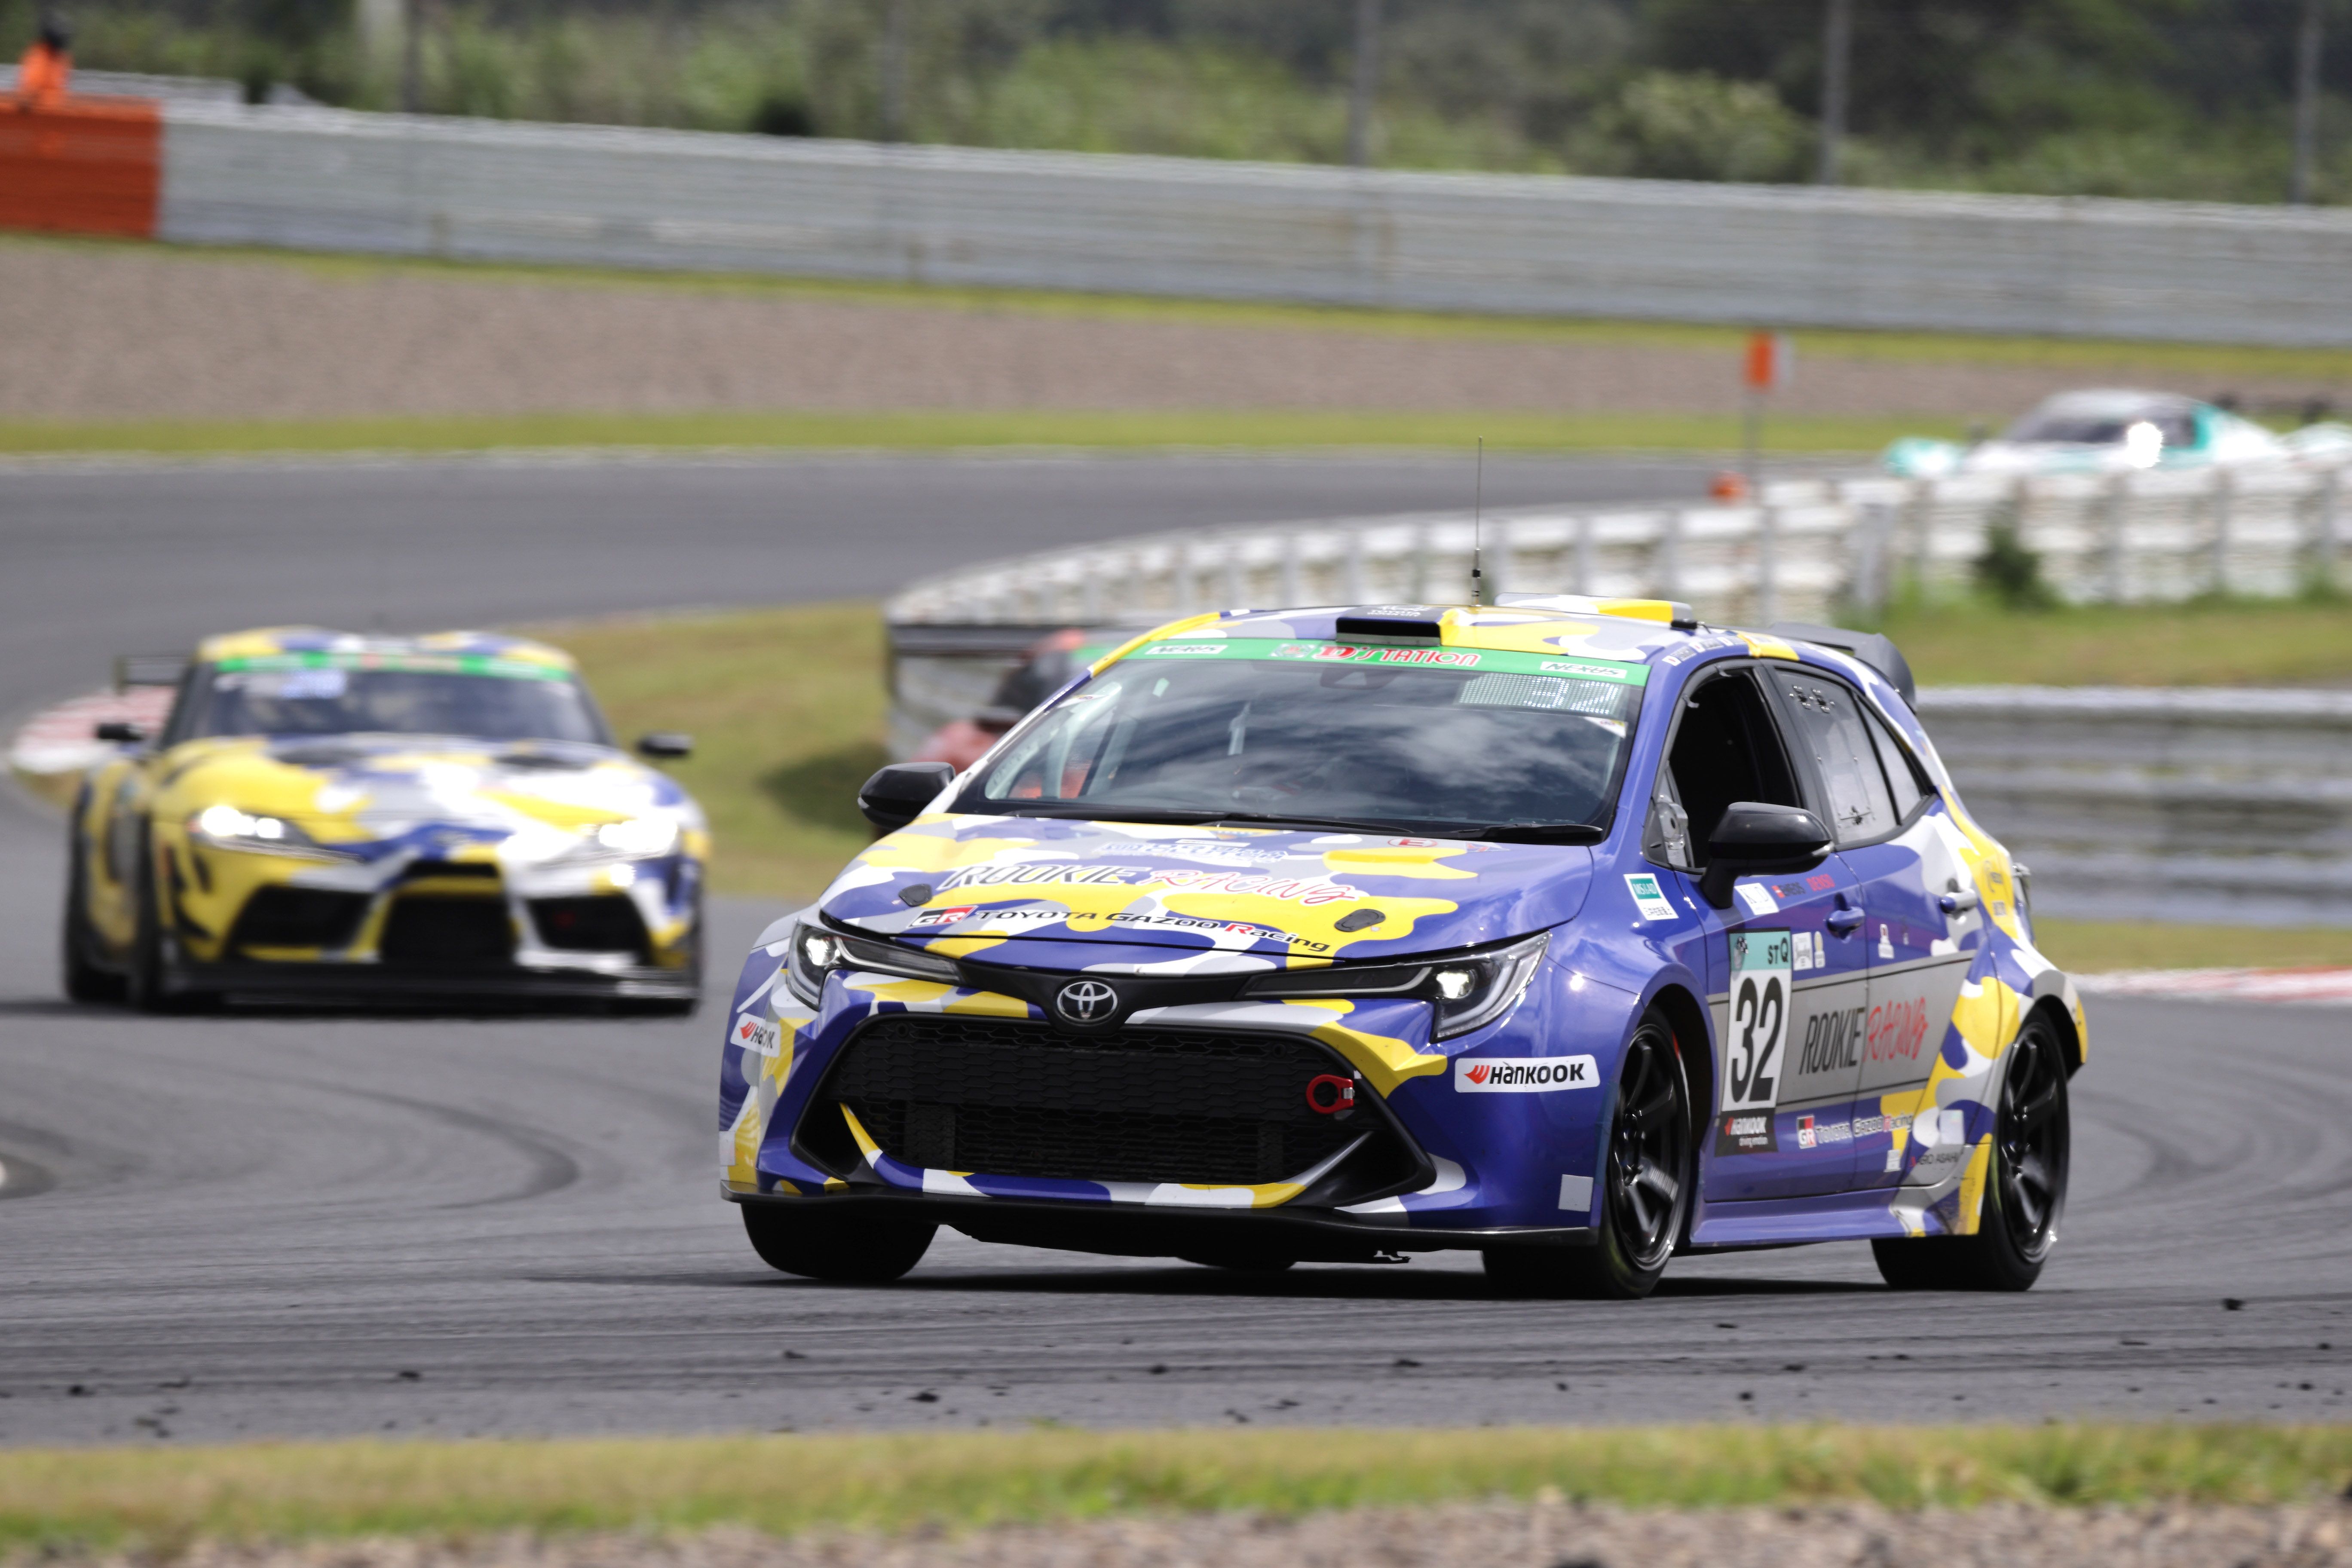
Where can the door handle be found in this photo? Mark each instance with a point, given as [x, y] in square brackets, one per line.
[1842, 921]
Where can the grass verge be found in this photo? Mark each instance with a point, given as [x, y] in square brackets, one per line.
[2096, 947]
[160, 1499]
[2217, 642]
[931, 429]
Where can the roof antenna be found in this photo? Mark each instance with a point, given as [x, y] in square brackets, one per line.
[1479, 529]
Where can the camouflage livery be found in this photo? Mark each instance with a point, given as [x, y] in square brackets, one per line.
[1863, 1107]
[271, 863]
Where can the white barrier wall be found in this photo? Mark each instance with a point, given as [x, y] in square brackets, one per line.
[2262, 531]
[328, 180]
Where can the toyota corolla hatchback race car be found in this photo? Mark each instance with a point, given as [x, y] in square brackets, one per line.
[428, 818]
[2113, 432]
[1574, 933]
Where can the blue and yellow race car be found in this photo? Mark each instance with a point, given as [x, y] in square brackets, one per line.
[1573, 931]
[429, 819]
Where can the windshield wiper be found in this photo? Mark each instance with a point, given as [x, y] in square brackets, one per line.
[1540, 833]
[1114, 814]
[1343, 823]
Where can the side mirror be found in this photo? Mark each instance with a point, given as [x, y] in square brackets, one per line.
[897, 795]
[1755, 839]
[665, 746]
[120, 731]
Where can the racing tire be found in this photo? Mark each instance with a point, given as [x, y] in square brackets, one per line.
[143, 983]
[846, 1246]
[79, 973]
[1646, 1187]
[2018, 1224]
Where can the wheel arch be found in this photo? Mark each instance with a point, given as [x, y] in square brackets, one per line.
[2062, 1021]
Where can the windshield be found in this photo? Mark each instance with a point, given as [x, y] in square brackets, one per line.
[337, 694]
[2078, 427]
[1323, 732]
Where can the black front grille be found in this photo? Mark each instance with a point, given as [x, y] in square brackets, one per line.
[607, 923]
[1000, 1098]
[299, 917]
[428, 933]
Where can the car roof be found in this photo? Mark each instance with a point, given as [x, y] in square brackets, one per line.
[2114, 402]
[266, 642]
[1632, 631]
[1623, 631]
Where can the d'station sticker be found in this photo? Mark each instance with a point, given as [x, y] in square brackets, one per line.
[1761, 964]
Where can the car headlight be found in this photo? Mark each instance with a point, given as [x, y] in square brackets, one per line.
[638, 836]
[225, 828]
[1465, 992]
[817, 953]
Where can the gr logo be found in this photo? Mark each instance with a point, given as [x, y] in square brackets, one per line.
[1525, 1075]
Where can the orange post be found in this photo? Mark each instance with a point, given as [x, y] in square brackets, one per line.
[80, 165]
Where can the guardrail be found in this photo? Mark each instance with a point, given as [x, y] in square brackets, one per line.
[2228, 807]
[330, 180]
[1806, 546]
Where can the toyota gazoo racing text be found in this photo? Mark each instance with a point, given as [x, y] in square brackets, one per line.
[423, 817]
[1573, 932]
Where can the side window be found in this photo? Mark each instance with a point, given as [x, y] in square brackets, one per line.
[1829, 727]
[1725, 749]
[1905, 777]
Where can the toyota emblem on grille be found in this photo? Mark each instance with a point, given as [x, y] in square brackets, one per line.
[1085, 1002]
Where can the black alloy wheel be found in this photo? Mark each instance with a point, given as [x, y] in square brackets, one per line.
[821, 1238]
[2031, 1148]
[1646, 1186]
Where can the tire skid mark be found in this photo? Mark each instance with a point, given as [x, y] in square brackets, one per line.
[551, 1168]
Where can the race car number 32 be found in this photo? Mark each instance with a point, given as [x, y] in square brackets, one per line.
[1760, 967]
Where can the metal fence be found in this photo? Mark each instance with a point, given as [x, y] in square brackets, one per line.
[321, 179]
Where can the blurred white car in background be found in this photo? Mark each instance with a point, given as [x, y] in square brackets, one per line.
[2113, 431]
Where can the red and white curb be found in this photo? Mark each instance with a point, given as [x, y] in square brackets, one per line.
[61, 740]
[2333, 985]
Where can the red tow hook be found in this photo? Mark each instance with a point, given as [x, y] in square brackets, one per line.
[1329, 1094]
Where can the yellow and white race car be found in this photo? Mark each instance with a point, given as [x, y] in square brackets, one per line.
[424, 818]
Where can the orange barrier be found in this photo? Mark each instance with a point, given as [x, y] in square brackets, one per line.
[81, 165]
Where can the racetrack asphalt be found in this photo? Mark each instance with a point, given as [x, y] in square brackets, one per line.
[315, 1223]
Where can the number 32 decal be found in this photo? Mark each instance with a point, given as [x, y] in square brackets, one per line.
[1760, 972]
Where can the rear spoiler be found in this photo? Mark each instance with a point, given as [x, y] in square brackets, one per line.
[149, 669]
[1878, 652]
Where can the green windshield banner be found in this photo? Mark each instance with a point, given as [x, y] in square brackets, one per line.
[410, 663]
[1428, 656]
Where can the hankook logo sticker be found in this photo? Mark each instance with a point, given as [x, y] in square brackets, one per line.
[1524, 1075]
